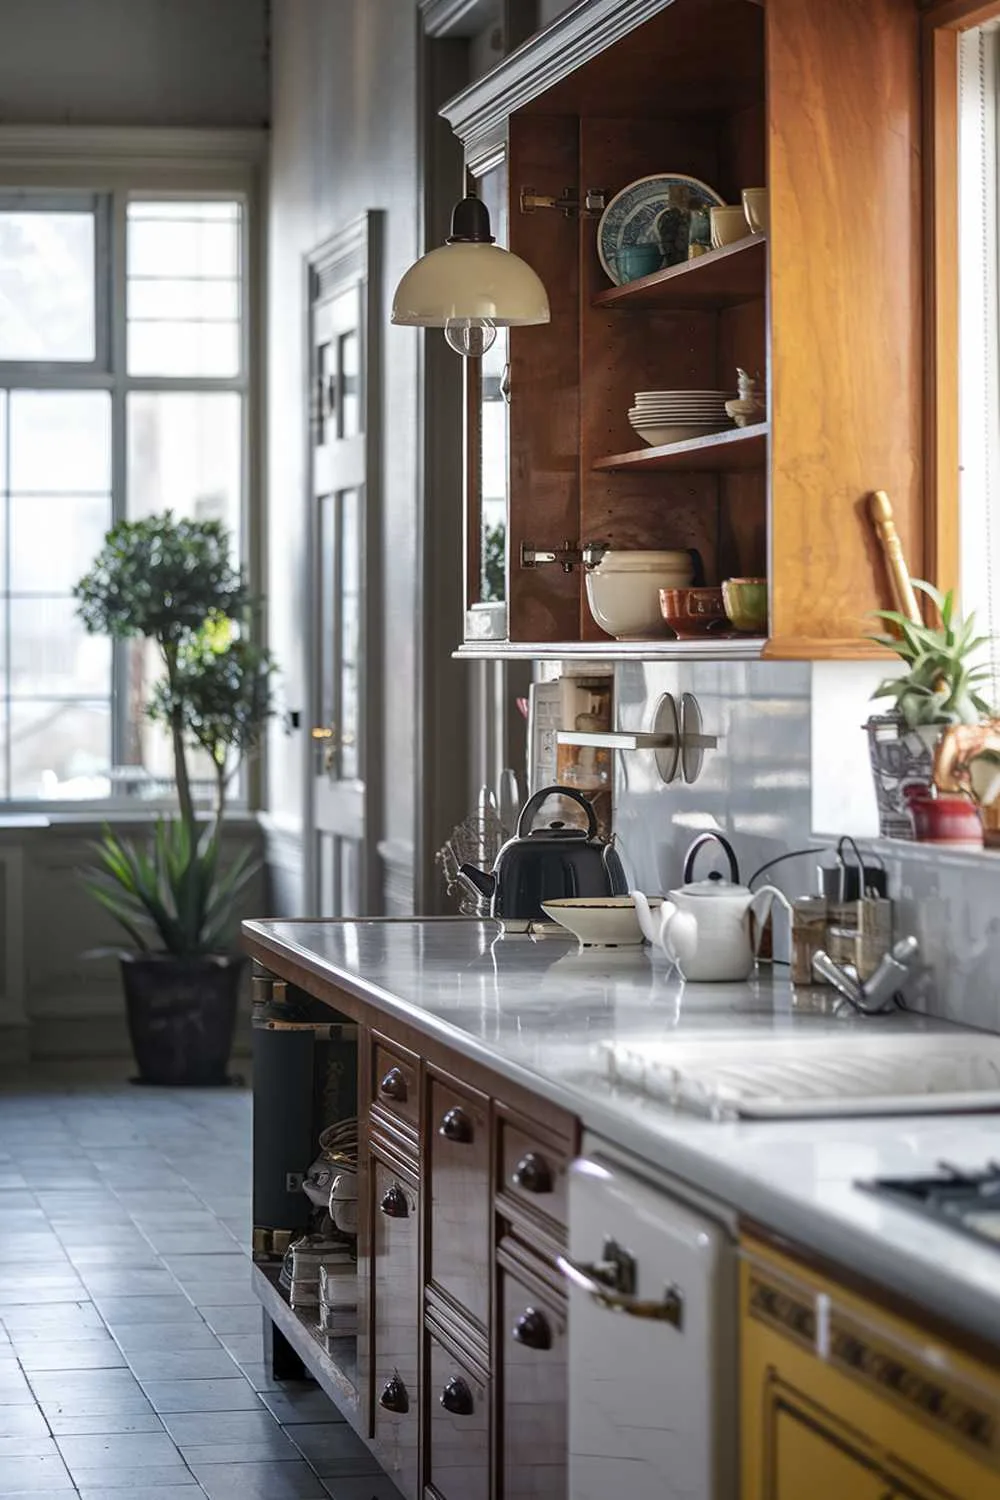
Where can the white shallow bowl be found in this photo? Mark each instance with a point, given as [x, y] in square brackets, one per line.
[634, 560]
[640, 418]
[679, 432]
[627, 604]
[598, 921]
[641, 396]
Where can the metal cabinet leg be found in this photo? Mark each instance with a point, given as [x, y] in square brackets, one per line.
[280, 1359]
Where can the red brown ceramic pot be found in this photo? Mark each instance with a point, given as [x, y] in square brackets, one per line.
[941, 819]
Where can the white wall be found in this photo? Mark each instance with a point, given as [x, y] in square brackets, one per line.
[133, 62]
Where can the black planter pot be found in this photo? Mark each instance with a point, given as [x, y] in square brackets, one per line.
[181, 1014]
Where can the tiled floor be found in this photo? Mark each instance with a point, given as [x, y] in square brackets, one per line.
[131, 1354]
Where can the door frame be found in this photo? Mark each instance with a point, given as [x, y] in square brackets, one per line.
[352, 255]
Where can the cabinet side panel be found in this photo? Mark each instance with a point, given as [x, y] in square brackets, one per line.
[543, 602]
[846, 305]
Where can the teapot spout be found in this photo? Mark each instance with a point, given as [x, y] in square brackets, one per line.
[650, 929]
[484, 882]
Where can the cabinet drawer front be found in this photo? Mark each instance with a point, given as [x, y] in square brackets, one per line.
[396, 1313]
[458, 1428]
[533, 1394]
[461, 1207]
[533, 1170]
[395, 1084]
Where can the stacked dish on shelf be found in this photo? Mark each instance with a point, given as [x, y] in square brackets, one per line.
[674, 416]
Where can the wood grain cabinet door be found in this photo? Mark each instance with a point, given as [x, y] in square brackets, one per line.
[458, 1150]
[458, 1428]
[533, 1392]
[396, 1313]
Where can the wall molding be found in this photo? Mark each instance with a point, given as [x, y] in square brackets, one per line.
[121, 145]
[448, 18]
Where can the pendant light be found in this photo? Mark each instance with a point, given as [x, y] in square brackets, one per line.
[469, 286]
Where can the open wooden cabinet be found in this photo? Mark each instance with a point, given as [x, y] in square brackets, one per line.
[820, 103]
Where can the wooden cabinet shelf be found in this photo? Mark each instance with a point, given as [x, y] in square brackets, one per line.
[736, 448]
[721, 278]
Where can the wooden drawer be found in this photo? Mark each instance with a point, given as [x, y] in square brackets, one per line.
[395, 1083]
[395, 1284]
[458, 1427]
[533, 1171]
[461, 1207]
[532, 1325]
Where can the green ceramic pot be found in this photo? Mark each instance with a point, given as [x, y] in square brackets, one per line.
[745, 601]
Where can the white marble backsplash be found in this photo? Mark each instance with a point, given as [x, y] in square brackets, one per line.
[790, 772]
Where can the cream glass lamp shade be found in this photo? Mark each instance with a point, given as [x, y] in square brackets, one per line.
[470, 279]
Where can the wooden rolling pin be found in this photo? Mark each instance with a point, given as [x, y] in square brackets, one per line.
[904, 598]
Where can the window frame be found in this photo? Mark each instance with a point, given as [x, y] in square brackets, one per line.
[56, 167]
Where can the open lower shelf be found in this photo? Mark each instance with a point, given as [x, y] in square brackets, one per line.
[720, 278]
[736, 448]
[332, 1362]
[732, 648]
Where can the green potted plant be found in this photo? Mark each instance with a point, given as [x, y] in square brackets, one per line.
[939, 689]
[170, 580]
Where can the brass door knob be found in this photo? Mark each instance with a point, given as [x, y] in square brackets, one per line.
[326, 736]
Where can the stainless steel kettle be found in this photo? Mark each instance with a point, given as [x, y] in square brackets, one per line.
[543, 864]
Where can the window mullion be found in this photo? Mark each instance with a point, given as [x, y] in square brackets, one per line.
[119, 457]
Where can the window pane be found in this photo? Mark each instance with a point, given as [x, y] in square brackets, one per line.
[166, 348]
[53, 539]
[51, 654]
[184, 453]
[47, 286]
[60, 442]
[184, 299]
[184, 268]
[59, 749]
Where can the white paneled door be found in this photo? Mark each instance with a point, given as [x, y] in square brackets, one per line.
[344, 492]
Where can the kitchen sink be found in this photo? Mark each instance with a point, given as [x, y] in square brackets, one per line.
[775, 1078]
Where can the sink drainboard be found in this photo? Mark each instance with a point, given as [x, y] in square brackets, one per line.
[781, 1078]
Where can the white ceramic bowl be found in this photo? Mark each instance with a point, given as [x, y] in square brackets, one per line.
[679, 432]
[599, 921]
[634, 560]
[627, 603]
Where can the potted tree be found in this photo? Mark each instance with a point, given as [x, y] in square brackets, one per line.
[938, 691]
[171, 581]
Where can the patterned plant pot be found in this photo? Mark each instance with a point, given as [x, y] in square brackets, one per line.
[899, 757]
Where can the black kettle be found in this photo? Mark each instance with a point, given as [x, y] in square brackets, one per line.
[544, 864]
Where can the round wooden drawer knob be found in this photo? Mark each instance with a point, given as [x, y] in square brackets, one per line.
[393, 1086]
[456, 1126]
[533, 1174]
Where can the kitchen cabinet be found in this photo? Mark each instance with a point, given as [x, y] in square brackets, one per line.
[820, 102]
[840, 1396]
[457, 1379]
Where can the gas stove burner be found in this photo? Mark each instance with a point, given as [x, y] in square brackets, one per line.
[963, 1199]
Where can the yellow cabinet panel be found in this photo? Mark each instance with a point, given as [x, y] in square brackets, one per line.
[841, 1400]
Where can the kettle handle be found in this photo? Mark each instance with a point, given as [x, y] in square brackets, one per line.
[711, 838]
[532, 805]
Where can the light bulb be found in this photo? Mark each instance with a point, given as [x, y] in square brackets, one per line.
[470, 337]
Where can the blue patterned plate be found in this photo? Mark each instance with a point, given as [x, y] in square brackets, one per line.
[639, 215]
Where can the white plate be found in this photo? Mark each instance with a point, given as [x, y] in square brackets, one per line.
[633, 216]
[723, 395]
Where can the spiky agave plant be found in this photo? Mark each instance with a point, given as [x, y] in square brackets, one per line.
[940, 685]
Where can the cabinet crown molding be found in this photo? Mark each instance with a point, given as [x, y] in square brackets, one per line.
[572, 39]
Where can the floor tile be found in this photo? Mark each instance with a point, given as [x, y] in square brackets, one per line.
[152, 1478]
[136, 1336]
[39, 1446]
[82, 1314]
[271, 1481]
[229, 1319]
[89, 1354]
[333, 1448]
[186, 1489]
[29, 1475]
[51, 1385]
[128, 1282]
[122, 1450]
[299, 1402]
[260, 1378]
[178, 1364]
[217, 1267]
[201, 1395]
[22, 1421]
[118, 1311]
[276, 1449]
[73, 1425]
[209, 1241]
[97, 1257]
[187, 1428]
[14, 1389]
[245, 1348]
[371, 1487]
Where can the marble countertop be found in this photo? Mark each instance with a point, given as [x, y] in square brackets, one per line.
[544, 1014]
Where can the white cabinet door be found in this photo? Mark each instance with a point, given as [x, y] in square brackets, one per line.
[652, 1402]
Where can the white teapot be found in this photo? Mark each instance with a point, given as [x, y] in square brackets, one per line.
[704, 927]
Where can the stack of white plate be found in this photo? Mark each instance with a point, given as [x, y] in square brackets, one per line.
[673, 416]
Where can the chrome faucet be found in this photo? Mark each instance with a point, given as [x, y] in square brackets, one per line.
[872, 996]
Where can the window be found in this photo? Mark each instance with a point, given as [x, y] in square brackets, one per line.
[123, 391]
